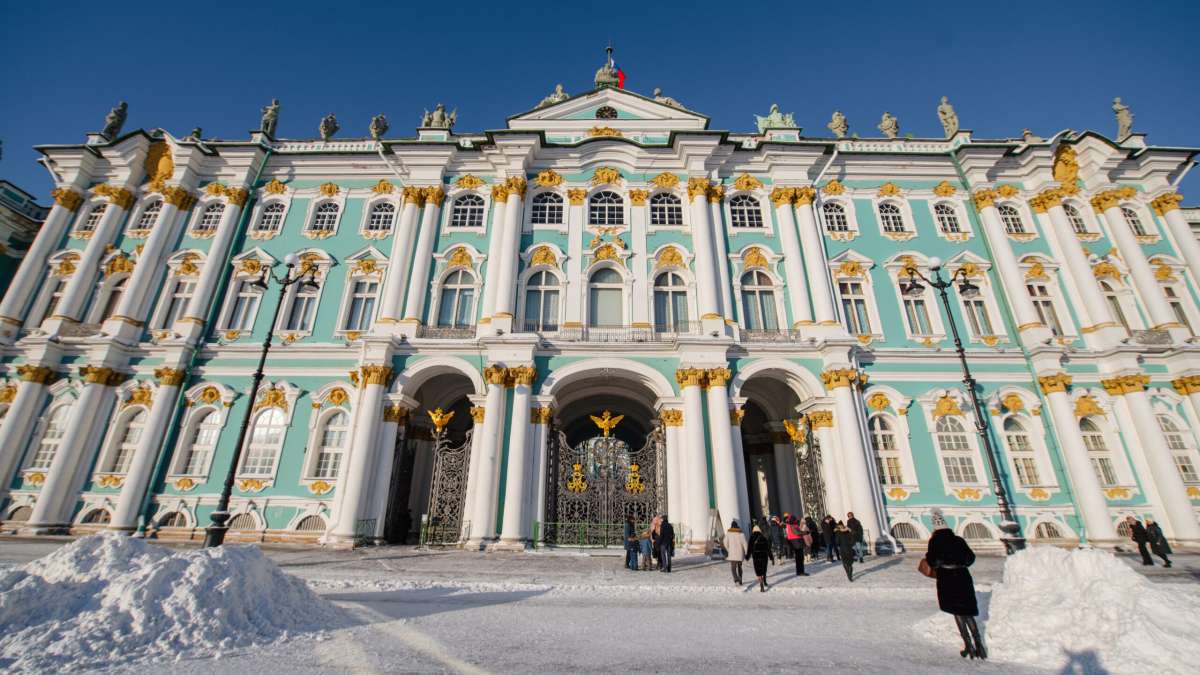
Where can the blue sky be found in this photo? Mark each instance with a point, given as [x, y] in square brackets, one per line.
[1005, 66]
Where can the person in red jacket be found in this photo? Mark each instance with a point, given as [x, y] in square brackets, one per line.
[798, 535]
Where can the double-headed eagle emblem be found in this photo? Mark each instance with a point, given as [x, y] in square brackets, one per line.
[607, 422]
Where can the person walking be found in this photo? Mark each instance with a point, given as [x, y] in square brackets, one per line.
[1138, 533]
[948, 558]
[813, 539]
[856, 531]
[776, 531]
[631, 547]
[1158, 543]
[735, 550]
[647, 553]
[796, 535]
[666, 545]
[845, 543]
[654, 552]
[827, 526]
[760, 552]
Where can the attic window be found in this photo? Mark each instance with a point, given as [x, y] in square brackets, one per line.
[606, 113]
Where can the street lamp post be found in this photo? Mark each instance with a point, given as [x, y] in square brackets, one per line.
[214, 535]
[1013, 542]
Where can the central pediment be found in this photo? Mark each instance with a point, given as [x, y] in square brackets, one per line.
[624, 111]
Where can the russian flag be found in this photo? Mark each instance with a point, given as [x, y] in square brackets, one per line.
[620, 73]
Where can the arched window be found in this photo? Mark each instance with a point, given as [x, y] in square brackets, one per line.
[311, 524]
[1093, 440]
[1135, 223]
[1114, 303]
[53, 435]
[1176, 304]
[1125, 529]
[745, 211]
[541, 302]
[457, 307]
[243, 522]
[113, 299]
[325, 218]
[264, 443]
[606, 292]
[204, 440]
[670, 302]
[362, 306]
[181, 297]
[854, 307]
[149, 216]
[21, 514]
[666, 209]
[333, 442]
[468, 212]
[130, 436]
[173, 519]
[382, 215]
[211, 218]
[1047, 531]
[93, 218]
[606, 209]
[1179, 446]
[889, 215]
[887, 451]
[97, 517]
[976, 531]
[947, 219]
[835, 218]
[905, 531]
[758, 301]
[272, 218]
[957, 456]
[547, 209]
[1022, 452]
[1077, 222]
[1011, 219]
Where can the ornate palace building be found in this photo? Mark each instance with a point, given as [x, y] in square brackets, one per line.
[603, 308]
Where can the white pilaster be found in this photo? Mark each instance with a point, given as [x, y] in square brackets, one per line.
[418, 288]
[33, 265]
[721, 256]
[821, 286]
[391, 305]
[793, 257]
[477, 414]
[1147, 285]
[137, 479]
[495, 259]
[385, 456]
[510, 249]
[673, 429]
[859, 477]
[576, 285]
[128, 321]
[18, 421]
[1185, 239]
[697, 507]
[79, 288]
[706, 269]
[1030, 327]
[822, 421]
[487, 486]
[729, 470]
[639, 264]
[1104, 331]
[191, 325]
[355, 481]
[539, 465]
[512, 532]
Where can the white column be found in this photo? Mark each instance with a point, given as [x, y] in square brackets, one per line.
[673, 429]
[640, 263]
[510, 252]
[1148, 287]
[539, 464]
[128, 319]
[793, 262]
[356, 481]
[137, 478]
[831, 473]
[1093, 507]
[1185, 239]
[1104, 331]
[47, 512]
[33, 265]
[814, 259]
[14, 430]
[495, 259]
[418, 288]
[391, 304]
[477, 414]
[79, 288]
[787, 481]
[706, 269]
[487, 486]
[572, 294]
[739, 464]
[191, 325]
[720, 253]
[512, 532]
[698, 504]
[861, 497]
[1028, 324]
[1179, 510]
[729, 468]
[385, 456]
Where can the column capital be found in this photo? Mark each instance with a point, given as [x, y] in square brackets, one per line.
[236, 196]
[67, 198]
[1046, 200]
[381, 375]
[1055, 383]
[104, 376]
[671, 418]
[119, 196]
[576, 196]
[1106, 200]
[718, 377]
[782, 195]
[1188, 384]
[477, 414]
[523, 375]
[692, 377]
[516, 186]
[804, 195]
[495, 375]
[394, 413]
[735, 417]
[170, 377]
[697, 187]
[839, 378]
[715, 194]
[178, 197]
[500, 194]
[1125, 384]
[413, 195]
[1167, 202]
[821, 418]
[540, 415]
[7, 394]
[434, 196]
[985, 198]
[638, 197]
[36, 374]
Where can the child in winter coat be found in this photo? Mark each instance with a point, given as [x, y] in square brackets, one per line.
[644, 543]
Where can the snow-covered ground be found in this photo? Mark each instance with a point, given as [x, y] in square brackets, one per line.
[396, 610]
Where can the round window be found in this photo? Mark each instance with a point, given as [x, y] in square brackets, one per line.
[606, 113]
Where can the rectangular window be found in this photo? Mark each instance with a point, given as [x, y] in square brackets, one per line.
[123, 459]
[1027, 472]
[604, 308]
[854, 307]
[244, 306]
[977, 312]
[362, 306]
[1104, 470]
[889, 471]
[1044, 306]
[918, 316]
[959, 469]
[180, 297]
[304, 307]
[258, 461]
[1187, 470]
[55, 296]
[1177, 307]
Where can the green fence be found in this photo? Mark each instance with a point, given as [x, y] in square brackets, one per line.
[594, 535]
[364, 532]
[444, 532]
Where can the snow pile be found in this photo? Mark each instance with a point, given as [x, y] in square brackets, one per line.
[1085, 606]
[108, 598]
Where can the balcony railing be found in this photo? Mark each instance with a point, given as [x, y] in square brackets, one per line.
[1151, 337]
[456, 332]
[770, 335]
[608, 333]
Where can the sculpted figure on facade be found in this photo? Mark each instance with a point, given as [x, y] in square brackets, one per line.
[270, 118]
[666, 99]
[379, 126]
[114, 121]
[1028, 137]
[195, 135]
[607, 76]
[557, 97]
[890, 126]
[949, 118]
[439, 118]
[329, 127]
[775, 120]
[1124, 118]
[838, 125]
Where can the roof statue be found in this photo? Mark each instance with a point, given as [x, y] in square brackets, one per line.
[949, 118]
[379, 126]
[1028, 137]
[439, 118]
[114, 121]
[838, 125]
[1124, 118]
[557, 97]
[775, 120]
[890, 126]
[329, 127]
[270, 118]
[195, 135]
[667, 100]
[607, 76]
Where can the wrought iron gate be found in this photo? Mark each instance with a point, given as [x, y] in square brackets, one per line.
[594, 486]
[400, 487]
[448, 494]
[812, 482]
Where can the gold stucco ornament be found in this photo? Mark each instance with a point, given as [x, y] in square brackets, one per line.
[607, 422]
[440, 419]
